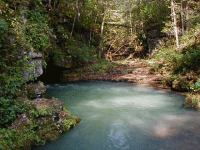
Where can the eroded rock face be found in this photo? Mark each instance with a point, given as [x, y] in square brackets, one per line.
[36, 65]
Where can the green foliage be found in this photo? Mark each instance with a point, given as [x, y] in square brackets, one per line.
[127, 72]
[195, 87]
[91, 15]
[3, 26]
[9, 110]
[36, 125]
[67, 124]
[20, 138]
[47, 110]
[20, 31]
[101, 66]
[12, 79]
[180, 67]
[189, 60]
[192, 101]
[116, 37]
[154, 14]
[182, 61]
[155, 67]
[6, 141]
[80, 53]
[149, 15]
[37, 30]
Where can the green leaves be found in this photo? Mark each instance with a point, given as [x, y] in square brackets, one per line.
[80, 54]
[37, 30]
[9, 110]
[195, 87]
[12, 81]
[3, 26]
[189, 60]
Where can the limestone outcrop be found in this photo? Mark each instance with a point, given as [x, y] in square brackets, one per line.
[35, 62]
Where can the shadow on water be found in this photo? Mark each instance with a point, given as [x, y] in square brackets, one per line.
[120, 116]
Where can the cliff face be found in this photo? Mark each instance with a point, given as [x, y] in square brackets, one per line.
[35, 64]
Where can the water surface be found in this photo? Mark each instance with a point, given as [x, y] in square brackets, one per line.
[120, 116]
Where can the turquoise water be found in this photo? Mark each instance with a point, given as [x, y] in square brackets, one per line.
[120, 116]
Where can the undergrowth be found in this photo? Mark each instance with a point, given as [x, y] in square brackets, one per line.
[180, 68]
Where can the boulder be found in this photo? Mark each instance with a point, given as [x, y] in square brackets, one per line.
[43, 120]
[36, 90]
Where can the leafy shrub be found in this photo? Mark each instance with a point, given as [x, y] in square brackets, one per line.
[189, 60]
[192, 101]
[67, 124]
[6, 141]
[80, 53]
[37, 30]
[195, 87]
[9, 110]
[20, 138]
[11, 81]
[3, 26]
[101, 66]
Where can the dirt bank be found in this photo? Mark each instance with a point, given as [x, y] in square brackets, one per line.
[136, 71]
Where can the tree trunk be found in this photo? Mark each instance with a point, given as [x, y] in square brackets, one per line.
[149, 47]
[182, 18]
[73, 25]
[77, 15]
[101, 35]
[187, 16]
[131, 25]
[77, 9]
[90, 38]
[49, 3]
[175, 23]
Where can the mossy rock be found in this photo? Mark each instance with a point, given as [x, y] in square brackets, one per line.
[43, 120]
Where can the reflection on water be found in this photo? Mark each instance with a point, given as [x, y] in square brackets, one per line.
[120, 116]
[118, 136]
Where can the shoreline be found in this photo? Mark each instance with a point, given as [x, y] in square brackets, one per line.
[137, 74]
